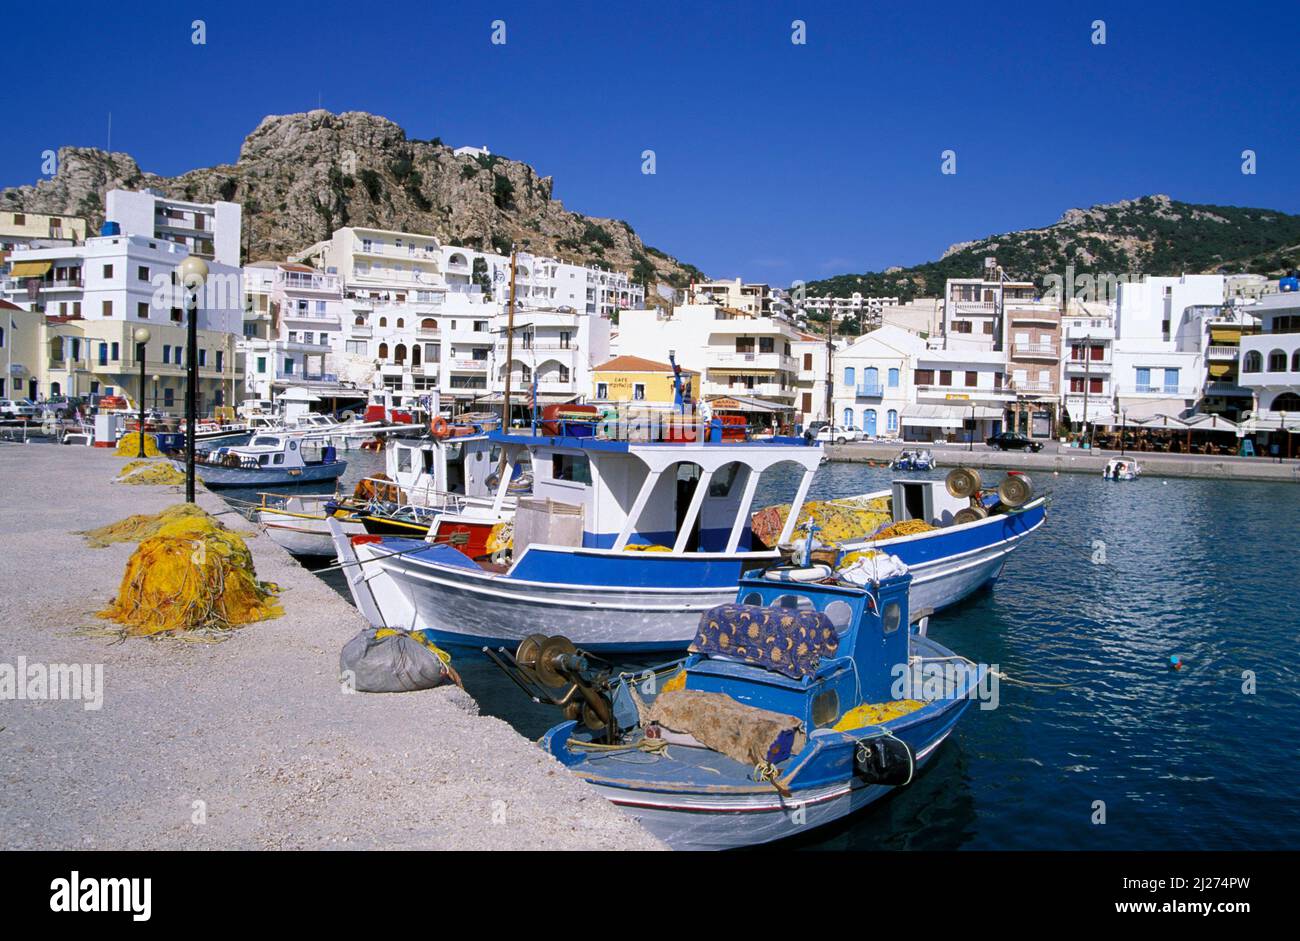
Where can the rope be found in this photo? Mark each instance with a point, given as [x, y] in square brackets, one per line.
[766, 771]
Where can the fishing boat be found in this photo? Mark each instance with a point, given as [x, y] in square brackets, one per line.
[1120, 468]
[267, 460]
[623, 544]
[802, 701]
[297, 523]
[912, 460]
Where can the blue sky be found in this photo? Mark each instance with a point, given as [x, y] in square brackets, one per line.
[775, 161]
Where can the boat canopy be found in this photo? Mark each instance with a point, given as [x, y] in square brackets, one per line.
[674, 496]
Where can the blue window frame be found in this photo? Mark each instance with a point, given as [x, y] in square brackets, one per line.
[893, 378]
[891, 417]
[850, 376]
[848, 418]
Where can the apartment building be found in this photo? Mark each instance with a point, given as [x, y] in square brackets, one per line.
[975, 309]
[756, 300]
[553, 351]
[1087, 364]
[21, 230]
[209, 230]
[866, 310]
[1270, 368]
[1216, 331]
[874, 383]
[293, 327]
[812, 356]
[1152, 374]
[736, 352]
[1032, 344]
[959, 394]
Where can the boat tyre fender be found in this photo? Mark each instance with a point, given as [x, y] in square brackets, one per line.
[440, 428]
[884, 759]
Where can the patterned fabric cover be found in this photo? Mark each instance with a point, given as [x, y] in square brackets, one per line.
[786, 640]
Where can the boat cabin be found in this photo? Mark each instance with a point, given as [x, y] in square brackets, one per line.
[462, 465]
[273, 451]
[666, 497]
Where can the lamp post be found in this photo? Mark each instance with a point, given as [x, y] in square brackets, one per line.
[1123, 428]
[970, 435]
[141, 337]
[193, 272]
[156, 380]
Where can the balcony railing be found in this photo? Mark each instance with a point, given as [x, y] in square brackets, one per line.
[1222, 352]
[1034, 349]
[870, 390]
[1142, 389]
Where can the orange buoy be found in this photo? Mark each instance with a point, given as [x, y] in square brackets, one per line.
[440, 427]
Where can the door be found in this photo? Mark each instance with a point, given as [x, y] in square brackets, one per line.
[688, 478]
[869, 421]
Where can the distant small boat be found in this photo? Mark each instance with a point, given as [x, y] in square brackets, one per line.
[1118, 468]
[914, 460]
[267, 461]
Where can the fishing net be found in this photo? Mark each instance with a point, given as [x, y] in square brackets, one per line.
[129, 445]
[905, 528]
[140, 526]
[837, 521]
[149, 472]
[501, 536]
[876, 713]
[191, 573]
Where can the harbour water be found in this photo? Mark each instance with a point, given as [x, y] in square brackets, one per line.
[1122, 577]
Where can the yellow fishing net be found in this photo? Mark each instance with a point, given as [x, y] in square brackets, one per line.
[129, 445]
[905, 528]
[149, 472]
[192, 573]
[139, 526]
[837, 520]
[419, 637]
[501, 536]
[876, 713]
[631, 547]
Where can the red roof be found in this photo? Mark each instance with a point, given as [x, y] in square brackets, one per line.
[636, 364]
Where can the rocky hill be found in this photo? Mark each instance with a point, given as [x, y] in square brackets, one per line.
[1152, 235]
[300, 176]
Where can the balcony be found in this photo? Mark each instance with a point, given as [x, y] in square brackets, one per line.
[1184, 391]
[1087, 365]
[1034, 386]
[1035, 350]
[1096, 328]
[869, 390]
[1222, 353]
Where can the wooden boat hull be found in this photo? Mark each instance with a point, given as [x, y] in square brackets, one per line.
[301, 527]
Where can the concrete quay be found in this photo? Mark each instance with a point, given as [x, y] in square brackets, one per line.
[249, 743]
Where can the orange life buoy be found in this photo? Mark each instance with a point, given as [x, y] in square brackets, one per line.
[440, 427]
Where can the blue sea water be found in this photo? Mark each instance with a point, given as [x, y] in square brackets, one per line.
[1120, 578]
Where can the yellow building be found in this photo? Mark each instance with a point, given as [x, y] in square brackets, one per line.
[633, 379]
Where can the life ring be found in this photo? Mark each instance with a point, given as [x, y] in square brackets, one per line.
[440, 428]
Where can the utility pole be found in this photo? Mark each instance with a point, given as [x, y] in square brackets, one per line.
[830, 367]
[510, 347]
[1087, 382]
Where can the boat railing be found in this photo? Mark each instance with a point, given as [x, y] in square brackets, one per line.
[391, 496]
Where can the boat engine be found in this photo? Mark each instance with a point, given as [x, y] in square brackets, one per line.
[552, 670]
[884, 759]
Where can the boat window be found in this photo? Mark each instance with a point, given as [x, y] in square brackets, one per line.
[825, 707]
[753, 598]
[840, 614]
[893, 617]
[403, 460]
[262, 460]
[801, 602]
[279, 459]
[574, 467]
[720, 484]
[264, 442]
[293, 445]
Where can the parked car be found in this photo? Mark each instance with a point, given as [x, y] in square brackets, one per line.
[1013, 441]
[17, 408]
[838, 435]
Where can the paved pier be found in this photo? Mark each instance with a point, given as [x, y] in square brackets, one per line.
[1053, 457]
[248, 743]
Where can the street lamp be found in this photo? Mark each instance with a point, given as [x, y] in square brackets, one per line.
[192, 272]
[141, 337]
[156, 380]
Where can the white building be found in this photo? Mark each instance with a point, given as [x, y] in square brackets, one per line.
[557, 349]
[1270, 368]
[873, 388]
[753, 299]
[208, 230]
[1088, 362]
[866, 310]
[293, 327]
[1152, 375]
[955, 389]
[813, 363]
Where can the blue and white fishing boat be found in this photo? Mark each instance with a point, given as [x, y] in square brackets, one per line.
[800, 703]
[267, 461]
[624, 544]
[914, 460]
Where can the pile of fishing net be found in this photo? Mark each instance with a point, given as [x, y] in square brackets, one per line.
[837, 521]
[191, 573]
[140, 526]
[129, 445]
[876, 713]
[149, 472]
[905, 528]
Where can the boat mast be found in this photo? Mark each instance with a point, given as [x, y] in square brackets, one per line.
[510, 348]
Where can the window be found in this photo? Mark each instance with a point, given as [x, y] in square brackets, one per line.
[571, 467]
[891, 420]
[638, 391]
[850, 376]
[401, 322]
[176, 315]
[723, 480]
[892, 618]
[848, 418]
[988, 327]
[893, 378]
[807, 361]
[945, 377]
[142, 273]
[1295, 361]
[1253, 362]
[107, 308]
[1277, 361]
[288, 366]
[203, 358]
[972, 380]
[924, 377]
[117, 351]
[142, 310]
[1171, 380]
[103, 354]
[428, 323]
[221, 356]
[355, 346]
[108, 272]
[261, 364]
[383, 321]
[383, 351]
[602, 390]
[169, 396]
[167, 353]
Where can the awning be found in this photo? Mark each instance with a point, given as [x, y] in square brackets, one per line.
[946, 416]
[746, 403]
[524, 398]
[1203, 422]
[1219, 335]
[1141, 409]
[30, 269]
